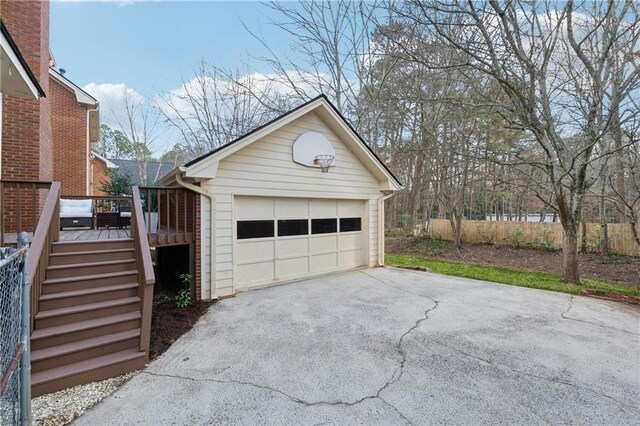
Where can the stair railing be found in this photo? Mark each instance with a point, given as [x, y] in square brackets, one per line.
[146, 277]
[47, 232]
[20, 207]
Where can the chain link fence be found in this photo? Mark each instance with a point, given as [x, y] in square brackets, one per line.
[12, 337]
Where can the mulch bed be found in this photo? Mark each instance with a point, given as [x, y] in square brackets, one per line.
[617, 269]
[607, 295]
[169, 322]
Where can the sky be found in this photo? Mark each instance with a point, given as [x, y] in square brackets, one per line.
[151, 47]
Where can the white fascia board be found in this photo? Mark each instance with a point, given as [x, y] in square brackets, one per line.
[249, 139]
[17, 65]
[81, 96]
[205, 170]
[355, 144]
[110, 164]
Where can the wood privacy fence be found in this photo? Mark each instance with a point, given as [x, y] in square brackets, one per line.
[536, 234]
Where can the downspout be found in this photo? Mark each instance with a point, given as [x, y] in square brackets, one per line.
[385, 196]
[89, 175]
[211, 198]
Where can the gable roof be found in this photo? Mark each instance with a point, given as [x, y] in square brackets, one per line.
[105, 160]
[10, 48]
[314, 104]
[155, 170]
[81, 96]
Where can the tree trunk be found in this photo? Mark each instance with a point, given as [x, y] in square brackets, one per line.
[456, 222]
[570, 254]
[604, 245]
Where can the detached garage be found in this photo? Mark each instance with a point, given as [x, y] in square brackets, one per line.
[300, 196]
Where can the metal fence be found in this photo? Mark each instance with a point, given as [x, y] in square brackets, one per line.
[15, 395]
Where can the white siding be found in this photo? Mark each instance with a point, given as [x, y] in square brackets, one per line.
[265, 168]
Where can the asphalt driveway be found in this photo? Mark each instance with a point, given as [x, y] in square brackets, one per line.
[388, 346]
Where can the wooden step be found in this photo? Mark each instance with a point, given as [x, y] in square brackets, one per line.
[88, 281]
[54, 336]
[91, 245]
[72, 314]
[68, 353]
[88, 295]
[90, 256]
[73, 270]
[87, 371]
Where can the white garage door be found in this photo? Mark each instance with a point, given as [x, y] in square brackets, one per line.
[280, 239]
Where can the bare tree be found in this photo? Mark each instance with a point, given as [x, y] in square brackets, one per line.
[553, 64]
[215, 106]
[332, 46]
[140, 125]
[627, 198]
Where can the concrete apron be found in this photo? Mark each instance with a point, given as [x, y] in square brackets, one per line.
[390, 346]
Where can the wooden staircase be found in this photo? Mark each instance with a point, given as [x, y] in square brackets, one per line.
[89, 320]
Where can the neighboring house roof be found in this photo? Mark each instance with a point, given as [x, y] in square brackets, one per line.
[327, 111]
[81, 96]
[11, 56]
[155, 170]
[109, 163]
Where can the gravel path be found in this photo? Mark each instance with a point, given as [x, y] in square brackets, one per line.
[60, 408]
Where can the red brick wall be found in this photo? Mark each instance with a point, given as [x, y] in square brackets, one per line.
[69, 130]
[26, 123]
[100, 174]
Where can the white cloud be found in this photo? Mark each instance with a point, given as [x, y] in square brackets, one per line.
[111, 97]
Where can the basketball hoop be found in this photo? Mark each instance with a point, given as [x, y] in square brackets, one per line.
[324, 161]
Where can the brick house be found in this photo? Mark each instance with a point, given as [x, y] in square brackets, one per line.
[91, 299]
[100, 167]
[75, 126]
[26, 122]
[26, 145]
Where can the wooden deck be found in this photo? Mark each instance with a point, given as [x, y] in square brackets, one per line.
[94, 234]
[160, 239]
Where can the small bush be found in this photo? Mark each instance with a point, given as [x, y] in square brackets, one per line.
[517, 238]
[593, 240]
[183, 298]
[487, 232]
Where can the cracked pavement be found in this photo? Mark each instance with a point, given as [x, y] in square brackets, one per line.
[391, 346]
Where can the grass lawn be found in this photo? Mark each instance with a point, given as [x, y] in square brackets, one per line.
[520, 278]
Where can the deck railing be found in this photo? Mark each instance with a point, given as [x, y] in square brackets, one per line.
[169, 215]
[103, 203]
[146, 277]
[47, 231]
[21, 204]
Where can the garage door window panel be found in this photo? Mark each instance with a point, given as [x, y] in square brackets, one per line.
[291, 227]
[350, 224]
[324, 226]
[247, 229]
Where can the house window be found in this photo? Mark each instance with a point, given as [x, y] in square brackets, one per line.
[324, 226]
[293, 227]
[350, 224]
[255, 229]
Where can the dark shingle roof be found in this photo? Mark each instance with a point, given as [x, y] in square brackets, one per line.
[155, 170]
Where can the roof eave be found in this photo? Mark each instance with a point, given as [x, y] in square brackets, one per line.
[18, 61]
[195, 167]
[82, 97]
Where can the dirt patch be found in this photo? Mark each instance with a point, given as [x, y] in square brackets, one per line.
[617, 269]
[607, 295]
[169, 322]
